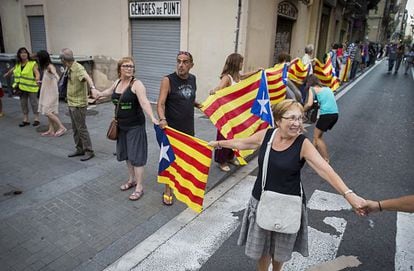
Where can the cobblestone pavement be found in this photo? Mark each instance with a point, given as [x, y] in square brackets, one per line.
[71, 215]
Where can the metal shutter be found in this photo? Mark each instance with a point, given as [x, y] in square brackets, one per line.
[155, 44]
[37, 33]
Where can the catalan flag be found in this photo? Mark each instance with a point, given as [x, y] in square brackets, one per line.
[183, 165]
[277, 81]
[230, 110]
[325, 73]
[345, 70]
[298, 71]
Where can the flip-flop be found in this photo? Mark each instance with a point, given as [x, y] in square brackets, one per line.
[235, 162]
[128, 185]
[36, 123]
[167, 199]
[224, 168]
[136, 195]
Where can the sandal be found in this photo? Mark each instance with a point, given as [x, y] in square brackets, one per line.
[24, 123]
[224, 167]
[36, 123]
[61, 132]
[235, 162]
[48, 133]
[167, 199]
[136, 195]
[127, 185]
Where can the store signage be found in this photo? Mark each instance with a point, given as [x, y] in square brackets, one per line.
[166, 9]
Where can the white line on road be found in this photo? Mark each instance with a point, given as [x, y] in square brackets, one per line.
[171, 236]
[325, 201]
[404, 242]
[322, 246]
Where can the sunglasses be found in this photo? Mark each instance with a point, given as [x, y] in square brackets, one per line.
[186, 54]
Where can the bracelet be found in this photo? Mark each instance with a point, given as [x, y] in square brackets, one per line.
[379, 205]
[163, 119]
[218, 144]
[93, 87]
[349, 191]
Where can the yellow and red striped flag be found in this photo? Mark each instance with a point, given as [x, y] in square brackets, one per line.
[345, 70]
[183, 165]
[276, 82]
[298, 71]
[230, 110]
[325, 73]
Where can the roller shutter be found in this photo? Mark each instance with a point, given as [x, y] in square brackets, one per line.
[37, 33]
[155, 44]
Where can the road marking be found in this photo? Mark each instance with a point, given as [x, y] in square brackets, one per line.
[339, 263]
[404, 242]
[325, 201]
[176, 238]
[322, 246]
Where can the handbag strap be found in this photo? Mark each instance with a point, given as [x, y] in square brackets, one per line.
[314, 94]
[266, 163]
[122, 94]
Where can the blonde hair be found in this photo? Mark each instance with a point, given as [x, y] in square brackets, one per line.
[281, 108]
[122, 61]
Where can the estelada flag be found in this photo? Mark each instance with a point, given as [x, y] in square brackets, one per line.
[325, 73]
[183, 165]
[298, 71]
[345, 70]
[230, 110]
[276, 82]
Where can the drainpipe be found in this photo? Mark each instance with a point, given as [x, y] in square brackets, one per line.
[236, 46]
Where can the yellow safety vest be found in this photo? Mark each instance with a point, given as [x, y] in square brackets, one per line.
[25, 78]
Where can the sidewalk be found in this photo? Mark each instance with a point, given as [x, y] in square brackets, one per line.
[72, 214]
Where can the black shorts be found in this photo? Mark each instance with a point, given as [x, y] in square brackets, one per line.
[326, 122]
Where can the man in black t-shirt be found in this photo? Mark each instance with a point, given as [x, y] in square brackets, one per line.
[176, 102]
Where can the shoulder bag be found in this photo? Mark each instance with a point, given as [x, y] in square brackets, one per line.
[312, 113]
[112, 132]
[276, 211]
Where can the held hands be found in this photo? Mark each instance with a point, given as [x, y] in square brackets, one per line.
[358, 204]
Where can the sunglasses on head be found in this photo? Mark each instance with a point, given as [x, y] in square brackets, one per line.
[186, 54]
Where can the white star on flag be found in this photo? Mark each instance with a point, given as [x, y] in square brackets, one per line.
[163, 152]
[263, 103]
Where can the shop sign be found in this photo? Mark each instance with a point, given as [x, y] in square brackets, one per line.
[288, 10]
[154, 9]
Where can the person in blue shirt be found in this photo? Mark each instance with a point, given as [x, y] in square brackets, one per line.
[328, 112]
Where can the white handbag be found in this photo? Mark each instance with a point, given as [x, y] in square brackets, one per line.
[276, 211]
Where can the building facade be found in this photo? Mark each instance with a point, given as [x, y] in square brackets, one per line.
[152, 32]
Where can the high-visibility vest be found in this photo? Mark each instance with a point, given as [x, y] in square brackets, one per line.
[25, 78]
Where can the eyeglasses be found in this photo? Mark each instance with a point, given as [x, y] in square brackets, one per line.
[186, 54]
[128, 66]
[292, 119]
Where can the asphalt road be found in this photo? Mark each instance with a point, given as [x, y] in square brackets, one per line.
[371, 148]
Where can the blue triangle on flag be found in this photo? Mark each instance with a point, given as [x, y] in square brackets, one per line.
[261, 106]
[167, 155]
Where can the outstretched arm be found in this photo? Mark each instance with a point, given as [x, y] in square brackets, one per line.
[139, 89]
[249, 143]
[401, 204]
[315, 160]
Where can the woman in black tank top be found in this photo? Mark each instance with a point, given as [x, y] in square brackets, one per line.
[289, 152]
[129, 95]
